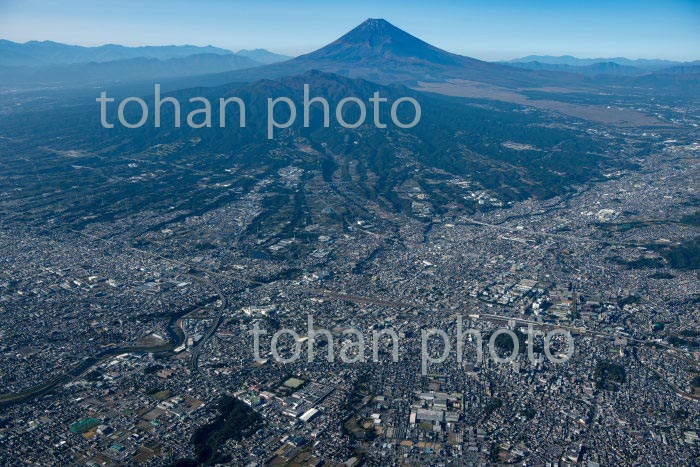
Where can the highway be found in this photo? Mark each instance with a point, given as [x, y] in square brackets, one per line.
[197, 350]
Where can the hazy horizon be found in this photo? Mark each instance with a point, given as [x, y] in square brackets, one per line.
[484, 30]
[236, 50]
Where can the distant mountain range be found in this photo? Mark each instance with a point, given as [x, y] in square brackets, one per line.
[263, 56]
[570, 61]
[662, 74]
[37, 63]
[131, 69]
[38, 53]
[378, 51]
[600, 68]
[375, 50]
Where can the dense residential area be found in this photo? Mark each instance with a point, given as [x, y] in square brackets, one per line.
[514, 281]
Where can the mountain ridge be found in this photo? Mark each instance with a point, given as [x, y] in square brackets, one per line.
[263, 56]
[131, 69]
[378, 51]
[598, 68]
[40, 53]
[645, 64]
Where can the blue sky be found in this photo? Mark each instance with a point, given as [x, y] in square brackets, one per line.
[490, 30]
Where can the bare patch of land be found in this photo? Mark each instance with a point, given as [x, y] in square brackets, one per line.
[618, 116]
